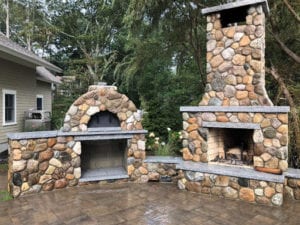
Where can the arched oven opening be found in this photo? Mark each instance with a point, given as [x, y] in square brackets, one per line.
[105, 158]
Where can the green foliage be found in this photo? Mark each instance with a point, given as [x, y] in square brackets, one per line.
[3, 167]
[61, 105]
[169, 147]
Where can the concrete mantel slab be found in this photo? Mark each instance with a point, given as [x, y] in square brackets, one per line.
[261, 109]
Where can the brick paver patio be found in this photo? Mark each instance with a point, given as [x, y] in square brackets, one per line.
[129, 203]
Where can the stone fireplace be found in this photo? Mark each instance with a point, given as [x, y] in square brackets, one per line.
[235, 122]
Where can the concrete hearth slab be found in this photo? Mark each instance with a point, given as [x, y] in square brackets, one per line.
[230, 171]
[163, 159]
[104, 174]
[292, 173]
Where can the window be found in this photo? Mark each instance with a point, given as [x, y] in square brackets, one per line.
[39, 102]
[9, 107]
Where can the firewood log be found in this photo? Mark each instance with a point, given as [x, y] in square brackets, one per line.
[268, 170]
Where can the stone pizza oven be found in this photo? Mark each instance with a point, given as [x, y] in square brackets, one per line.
[102, 138]
[110, 131]
[235, 122]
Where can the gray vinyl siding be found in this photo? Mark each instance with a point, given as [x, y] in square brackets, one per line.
[44, 89]
[22, 80]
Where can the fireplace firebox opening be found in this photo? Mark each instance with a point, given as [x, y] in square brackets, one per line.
[231, 146]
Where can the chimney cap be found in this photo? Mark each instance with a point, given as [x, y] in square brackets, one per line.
[236, 4]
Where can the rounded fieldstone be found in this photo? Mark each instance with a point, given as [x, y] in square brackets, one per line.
[43, 166]
[204, 147]
[272, 163]
[61, 183]
[194, 176]
[247, 194]
[283, 165]
[217, 50]
[36, 188]
[19, 165]
[33, 178]
[215, 102]
[17, 179]
[185, 116]
[48, 186]
[27, 154]
[203, 132]
[239, 60]
[211, 44]
[40, 147]
[211, 117]
[225, 66]
[208, 88]
[269, 132]
[228, 53]
[208, 68]
[185, 143]
[66, 127]
[16, 191]
[257, 161]
[229, 192]
[77, 148]
[17, 154]
[259, 191]
[222, 181]
[228, 43]
[283, 140]
[55, 162]
[229, 91]
[65, 157]
[46, 155]
[277, 199]
[230, 79]
[77, 172]
[238, 36]
[191, 147]
[193, 186]
[282, 153]
[257, 43]
[32, 165]
[258, 136]
[180, 184]
[216, 61]
[218, 84]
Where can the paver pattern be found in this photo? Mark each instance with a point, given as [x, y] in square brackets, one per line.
[130, 203]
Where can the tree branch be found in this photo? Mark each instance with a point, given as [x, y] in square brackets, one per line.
[294, 113]
[292, 10]
[289, 52]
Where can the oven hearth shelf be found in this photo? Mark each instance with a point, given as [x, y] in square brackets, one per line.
[103, 174]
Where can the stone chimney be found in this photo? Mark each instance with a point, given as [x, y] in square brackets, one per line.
[236, 54]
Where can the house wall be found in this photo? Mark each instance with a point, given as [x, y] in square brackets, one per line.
[44, 89]
[23, 80]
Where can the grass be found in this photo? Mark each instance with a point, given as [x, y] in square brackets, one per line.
[3, 167]
[5, 196]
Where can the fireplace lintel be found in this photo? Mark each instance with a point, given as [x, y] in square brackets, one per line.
[251, 126]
